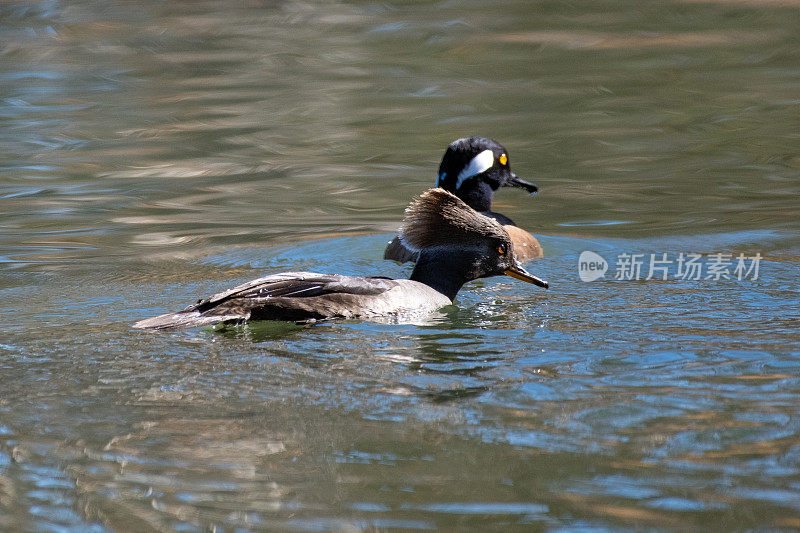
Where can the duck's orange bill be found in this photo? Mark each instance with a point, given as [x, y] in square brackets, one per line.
[522, 274]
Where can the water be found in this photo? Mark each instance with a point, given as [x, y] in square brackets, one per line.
[155, 153]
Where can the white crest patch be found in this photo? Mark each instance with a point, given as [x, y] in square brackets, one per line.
[480, 163]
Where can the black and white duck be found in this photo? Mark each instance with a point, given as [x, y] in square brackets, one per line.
[473, 169]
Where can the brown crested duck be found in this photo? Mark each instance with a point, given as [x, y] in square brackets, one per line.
[455, 244]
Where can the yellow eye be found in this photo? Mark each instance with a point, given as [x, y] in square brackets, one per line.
[503, 159]
[502, 249]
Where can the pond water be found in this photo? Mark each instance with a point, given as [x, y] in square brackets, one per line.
[153, 153]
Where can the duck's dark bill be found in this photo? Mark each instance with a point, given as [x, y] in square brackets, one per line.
[514, 181]
[520, 273]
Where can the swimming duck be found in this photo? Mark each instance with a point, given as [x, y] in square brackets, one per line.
[473, 169]
[455, 243]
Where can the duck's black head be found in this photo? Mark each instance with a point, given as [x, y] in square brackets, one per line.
[474, 168]
[457, 244]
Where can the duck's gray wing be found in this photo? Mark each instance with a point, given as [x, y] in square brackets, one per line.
[297, 285]
[294, 296]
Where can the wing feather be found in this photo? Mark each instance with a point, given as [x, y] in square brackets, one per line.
[293, 296]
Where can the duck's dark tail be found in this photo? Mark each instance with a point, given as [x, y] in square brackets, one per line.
[396, 251]
[185, 319]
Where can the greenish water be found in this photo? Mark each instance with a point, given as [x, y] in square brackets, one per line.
[153, 153]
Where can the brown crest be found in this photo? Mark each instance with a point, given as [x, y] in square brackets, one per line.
[438, 218]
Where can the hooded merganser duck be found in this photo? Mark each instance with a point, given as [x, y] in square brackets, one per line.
[455, 243]
[473, 169]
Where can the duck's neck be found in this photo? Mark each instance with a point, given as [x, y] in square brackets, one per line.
[477, 194]
[443, 271]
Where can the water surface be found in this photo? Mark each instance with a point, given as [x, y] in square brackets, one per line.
[153, 153]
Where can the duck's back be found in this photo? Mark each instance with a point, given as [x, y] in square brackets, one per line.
[525, 245]
[397, 251]
[305, 296]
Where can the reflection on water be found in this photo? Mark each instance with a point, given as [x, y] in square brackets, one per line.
[156, 153]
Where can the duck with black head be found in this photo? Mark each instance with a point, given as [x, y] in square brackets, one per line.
[455, 244]
[473, 169]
